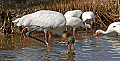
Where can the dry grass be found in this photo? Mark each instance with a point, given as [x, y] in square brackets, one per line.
[105, 11]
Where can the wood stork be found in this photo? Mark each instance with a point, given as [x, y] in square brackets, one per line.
[113, 27]
[42, 20]
[88, 18]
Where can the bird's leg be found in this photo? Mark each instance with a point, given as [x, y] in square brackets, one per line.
[86, 30]
[49, 36]
[46, 36]
[23, 33]
[29, 35]
[49, 33]
[73, 32]
[91, 28]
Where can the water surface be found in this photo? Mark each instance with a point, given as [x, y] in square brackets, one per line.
[87, 48]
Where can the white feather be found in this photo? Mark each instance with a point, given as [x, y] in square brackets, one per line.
[75, 22]
[73, 13]
[113, 27]
[45, 19]
[16, 20]
[88, 16]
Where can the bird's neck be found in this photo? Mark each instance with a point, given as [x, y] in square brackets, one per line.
[104, 32]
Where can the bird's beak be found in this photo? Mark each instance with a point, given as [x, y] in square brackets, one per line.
[24, 33]
[91, 28]
[97, 34]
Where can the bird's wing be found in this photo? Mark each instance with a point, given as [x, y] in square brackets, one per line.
[73, 22]
[116, 26]
[74, 13]
[25, 20]
[48, 19]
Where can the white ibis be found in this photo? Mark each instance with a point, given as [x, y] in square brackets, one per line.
[72, 18]
[42, 20]
[73, 13]
[88, 16]
[74, 22]
[113, 27]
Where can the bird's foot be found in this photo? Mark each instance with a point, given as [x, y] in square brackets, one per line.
[47, 45]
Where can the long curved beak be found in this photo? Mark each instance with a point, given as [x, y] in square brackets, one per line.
[91, 28]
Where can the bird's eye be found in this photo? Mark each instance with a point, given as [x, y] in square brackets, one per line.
[113, 26]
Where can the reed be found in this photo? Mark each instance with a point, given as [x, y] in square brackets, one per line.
[106, 11]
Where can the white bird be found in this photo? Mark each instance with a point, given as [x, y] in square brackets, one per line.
[43, 20]
[74, 22]
[88, 16]
[113, 27]
[73, 13]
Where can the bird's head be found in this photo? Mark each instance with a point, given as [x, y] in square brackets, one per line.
[16, 21]
[98, 32]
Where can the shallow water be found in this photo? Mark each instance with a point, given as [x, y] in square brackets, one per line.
[87, 48]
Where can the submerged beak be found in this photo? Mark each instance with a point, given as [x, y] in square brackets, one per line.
[97, 34]
[24, 33]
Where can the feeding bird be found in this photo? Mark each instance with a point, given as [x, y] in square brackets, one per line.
[74, 22]
[43, 20]
[88, 18]
[113, 27]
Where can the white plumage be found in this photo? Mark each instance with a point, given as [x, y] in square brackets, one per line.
[44, 19]
[88, 15]
[113, 27]
[88, 18]
[73, 13]
[75, 22]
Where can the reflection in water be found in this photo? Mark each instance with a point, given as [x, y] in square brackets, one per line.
[87, 48]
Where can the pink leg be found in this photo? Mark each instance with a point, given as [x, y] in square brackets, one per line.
[73, 32]
[23, 33]
[45, 38]
[49, 36]
[49, 33]
[86, 29]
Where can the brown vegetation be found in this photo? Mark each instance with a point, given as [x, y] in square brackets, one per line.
[105, 11]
